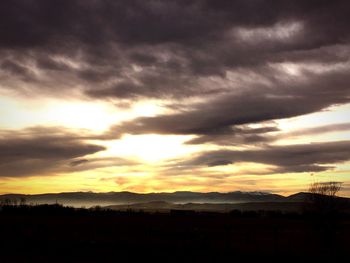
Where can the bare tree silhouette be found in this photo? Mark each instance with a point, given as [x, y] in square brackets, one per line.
[323, 196]
[325, 188]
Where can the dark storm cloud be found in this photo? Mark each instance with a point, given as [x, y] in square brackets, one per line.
[264, 135]
[34, 151]
[238, 136]
[15, 69]
[37, 22]
[179, 45]
[287, 158]
[293, 97]
[78, 162]
[97, 162]
[231, 54]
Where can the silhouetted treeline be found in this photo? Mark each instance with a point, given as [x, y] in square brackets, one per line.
[56, 209]
[54, 233]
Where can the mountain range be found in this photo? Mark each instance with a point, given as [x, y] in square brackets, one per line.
[181, 200]
[89, 199]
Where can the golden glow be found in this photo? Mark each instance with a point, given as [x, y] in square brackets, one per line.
[144, 178]
[152, 153]
[242, 168]
[149, 148]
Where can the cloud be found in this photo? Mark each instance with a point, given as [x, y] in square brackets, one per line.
[98, 162]
[160, 49]
[223, 65]
[39, 150]
[266, 134]
[337, 127]
[79, 162]
[314, 157]
[284, 98]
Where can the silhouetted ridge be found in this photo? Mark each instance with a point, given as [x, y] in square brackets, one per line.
[89, 199]
[115, 198]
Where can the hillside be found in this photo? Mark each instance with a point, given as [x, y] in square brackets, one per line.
[89, 199]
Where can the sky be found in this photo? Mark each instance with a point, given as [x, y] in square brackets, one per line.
[163, 96]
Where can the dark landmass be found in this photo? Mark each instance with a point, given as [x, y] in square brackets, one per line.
[296, 203]
[89, 199]
[53, 233]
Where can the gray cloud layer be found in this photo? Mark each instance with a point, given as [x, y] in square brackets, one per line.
[248, 61]
[287, 98]
[132, 49]
[265, 135]
[314, 157]
[40, 150]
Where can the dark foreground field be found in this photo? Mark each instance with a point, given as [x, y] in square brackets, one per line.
[58, 234]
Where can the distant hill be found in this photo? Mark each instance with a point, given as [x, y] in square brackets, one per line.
[119, 198]
[304, 196]
[89, 199]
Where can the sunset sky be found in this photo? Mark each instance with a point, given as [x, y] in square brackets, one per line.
[163, 96]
